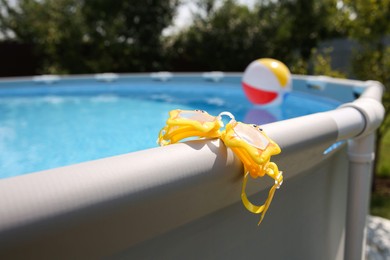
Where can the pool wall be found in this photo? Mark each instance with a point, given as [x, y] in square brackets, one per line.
[182, 201]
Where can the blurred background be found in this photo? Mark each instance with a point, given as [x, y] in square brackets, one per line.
[339, 38]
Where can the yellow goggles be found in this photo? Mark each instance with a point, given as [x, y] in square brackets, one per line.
[249, 143]
[184, 124]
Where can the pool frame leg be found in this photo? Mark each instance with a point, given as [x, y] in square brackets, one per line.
[361, 157]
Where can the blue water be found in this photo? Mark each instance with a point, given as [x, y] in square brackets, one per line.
[47, 126]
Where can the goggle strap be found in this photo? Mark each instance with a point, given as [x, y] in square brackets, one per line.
[250, 206]
[243, 156]
[192, 134]
[174, 131]
[275, 174]
[226, 113]
[160, 140]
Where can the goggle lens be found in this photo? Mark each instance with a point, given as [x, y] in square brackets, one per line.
[252, 135]
[196, 115]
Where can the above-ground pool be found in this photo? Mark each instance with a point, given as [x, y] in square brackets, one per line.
[44, 126]
[99, 187]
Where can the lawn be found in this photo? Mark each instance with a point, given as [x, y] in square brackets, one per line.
[383, 169]
[380, 198]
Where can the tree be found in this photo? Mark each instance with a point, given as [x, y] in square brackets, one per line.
[73, 36]
[288, 30]
[228, 39]
[298, 26]
[368, 24]
[129, 34]
[48, 26]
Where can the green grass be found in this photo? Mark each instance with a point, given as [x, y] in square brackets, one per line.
[380, 198]
[383, 169]
[380, 205]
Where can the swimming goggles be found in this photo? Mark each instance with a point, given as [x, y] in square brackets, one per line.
[248, 142]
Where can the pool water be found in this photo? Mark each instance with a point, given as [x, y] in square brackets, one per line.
[47, 126]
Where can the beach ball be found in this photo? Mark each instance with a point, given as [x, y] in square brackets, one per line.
[266, 81]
